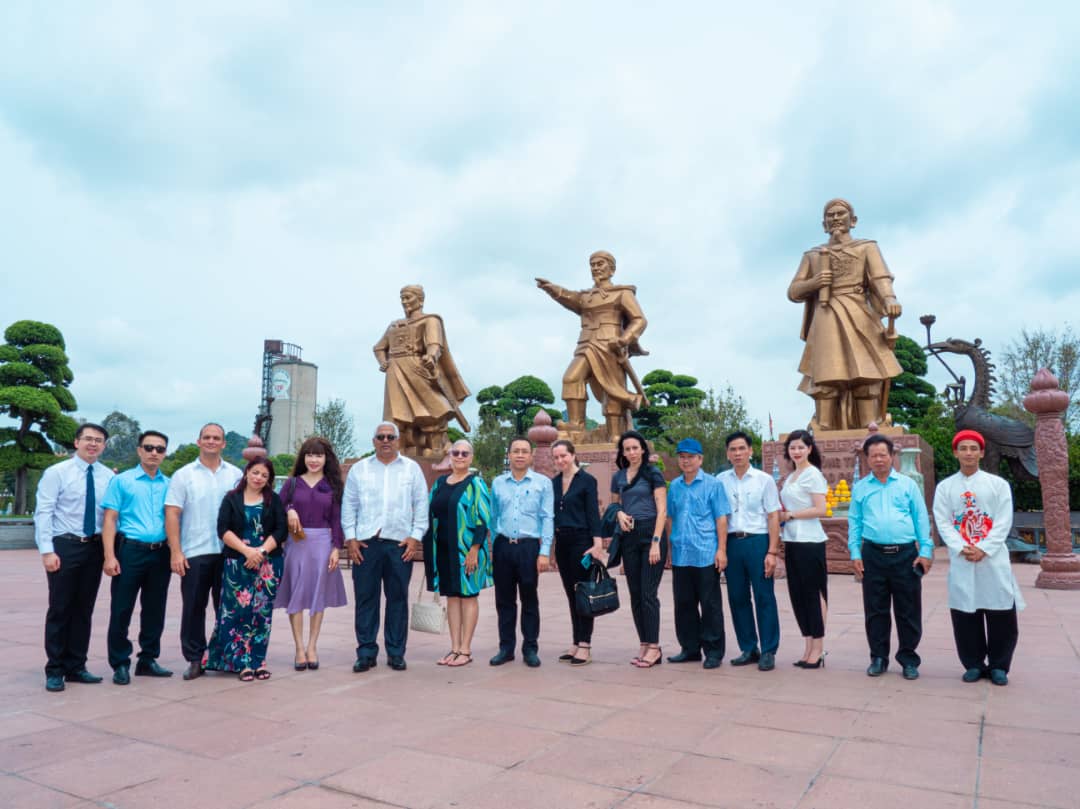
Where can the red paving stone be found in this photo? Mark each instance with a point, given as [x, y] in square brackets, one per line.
[605, 735]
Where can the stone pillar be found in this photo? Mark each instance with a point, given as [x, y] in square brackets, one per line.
[543, 435]
[254, 449]
[1060, 566]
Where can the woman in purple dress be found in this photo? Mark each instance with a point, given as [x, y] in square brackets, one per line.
[312, 581]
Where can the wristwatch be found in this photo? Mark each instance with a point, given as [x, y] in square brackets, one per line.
[656, 539]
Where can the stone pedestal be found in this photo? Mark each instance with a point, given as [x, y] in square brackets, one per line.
[1060, 566]
[838, 452]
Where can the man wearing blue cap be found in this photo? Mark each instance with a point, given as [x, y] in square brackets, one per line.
[753, 546]
[697, 523]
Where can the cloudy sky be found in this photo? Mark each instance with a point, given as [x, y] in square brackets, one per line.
[180, 181]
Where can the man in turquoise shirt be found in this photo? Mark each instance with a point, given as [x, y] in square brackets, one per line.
[890, 546]
[137, 558]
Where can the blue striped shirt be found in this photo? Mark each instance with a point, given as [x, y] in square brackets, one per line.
[694, 509]
[524, 508]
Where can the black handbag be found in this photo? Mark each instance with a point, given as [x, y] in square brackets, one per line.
[597, 596]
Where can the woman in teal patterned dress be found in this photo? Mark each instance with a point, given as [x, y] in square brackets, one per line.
[457, 560]
[252, 525]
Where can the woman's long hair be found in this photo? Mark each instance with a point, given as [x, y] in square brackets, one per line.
[808, 439]
[318, 445]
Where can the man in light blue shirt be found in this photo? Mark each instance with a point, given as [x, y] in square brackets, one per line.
[697, 514]
[890, 546]
[137, 558]
[522, 518]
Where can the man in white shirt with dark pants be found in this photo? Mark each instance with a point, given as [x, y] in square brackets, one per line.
[384, 513]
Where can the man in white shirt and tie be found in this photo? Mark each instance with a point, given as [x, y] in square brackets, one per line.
[384, 512]
[67, 530]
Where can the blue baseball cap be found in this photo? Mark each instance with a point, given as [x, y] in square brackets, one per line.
[690, 446]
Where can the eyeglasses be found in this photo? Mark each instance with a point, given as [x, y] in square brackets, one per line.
[460, 453]
[385, 437]
[87, 439]
[158, 448]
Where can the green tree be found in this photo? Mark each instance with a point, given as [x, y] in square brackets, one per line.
[490, 440]
[183, 454]
[235, 444]
[937, 427]
[283, 463]
[34, 382]
[910, 396]
[517, 402]
[334, 423]
[667, 393]
[123, 438]
[709, 420]
[1025, 356]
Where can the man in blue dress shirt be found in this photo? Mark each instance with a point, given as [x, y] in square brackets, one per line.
[137, 558]
[67, 530]
[522, 515]
[697, 510]
[890, 546]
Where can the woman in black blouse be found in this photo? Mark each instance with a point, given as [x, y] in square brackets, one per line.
[641, 492]
[577, 533]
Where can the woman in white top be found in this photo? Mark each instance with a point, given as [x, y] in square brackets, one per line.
[802, 507]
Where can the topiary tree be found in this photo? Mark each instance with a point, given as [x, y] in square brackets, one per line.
[34, 381]
[911, 395]
[667, 393]
[517, 402]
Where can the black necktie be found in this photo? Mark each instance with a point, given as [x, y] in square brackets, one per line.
[90, 515]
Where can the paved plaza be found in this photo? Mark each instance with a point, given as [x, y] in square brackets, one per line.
[605, 735]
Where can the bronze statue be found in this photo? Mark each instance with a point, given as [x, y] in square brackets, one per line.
[848, 363]
[611, 323]
[423, 387]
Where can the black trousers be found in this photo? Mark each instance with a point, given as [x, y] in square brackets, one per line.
[889, 577]
[199, 584]
[72, 592]
[643, 579]
[514, 570]
[699, 610]
[808, 584]
[382, 571]
[145, 574]
[570, 546]
[985, 639]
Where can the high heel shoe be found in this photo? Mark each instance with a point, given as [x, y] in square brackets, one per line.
[820, 664]
[643, 663]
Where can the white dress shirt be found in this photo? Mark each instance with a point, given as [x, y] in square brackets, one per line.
[61, 500]
[798, 495]
[198, 491]
[385, 499]
[977, 510]
[752, 499]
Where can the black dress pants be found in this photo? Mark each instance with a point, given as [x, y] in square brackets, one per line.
[699, 610]
[144, 573]
[200, 583]
[889, 577]
[985, 639]
[570, 546]
[643, 579]
[514, 570]
[72, 592]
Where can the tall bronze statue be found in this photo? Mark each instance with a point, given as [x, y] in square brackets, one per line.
[848, 363]
[611, 323]
[423, 387]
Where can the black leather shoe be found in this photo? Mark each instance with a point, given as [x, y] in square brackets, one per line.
[911, 672]
[972, 675]
[532, 659]
[710, 662]
[83, 676]
[361, 664]
[878, 666]
[746, 658]
[767, 662]
[685, 657]
[396, 663]
[54, 682]
[121, 676]
[501, 657]
[150, 668]
[193, 671]
[999, 677]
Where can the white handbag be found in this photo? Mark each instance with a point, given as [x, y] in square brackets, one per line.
[428, 616]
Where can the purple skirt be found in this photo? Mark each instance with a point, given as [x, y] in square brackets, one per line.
[306, 584]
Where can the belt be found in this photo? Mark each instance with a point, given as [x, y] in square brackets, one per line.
[744, 534]
[146, 546]
[518, 540]
[75, 538]
[888, 550]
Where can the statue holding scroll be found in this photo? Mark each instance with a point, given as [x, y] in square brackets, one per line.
[611, 323]
[848, 363]
[423, 387]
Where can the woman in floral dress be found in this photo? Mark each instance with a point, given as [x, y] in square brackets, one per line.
[252, 525]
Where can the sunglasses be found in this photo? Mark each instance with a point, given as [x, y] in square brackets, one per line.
[385, 437]
[460, 453]
[158, 448]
